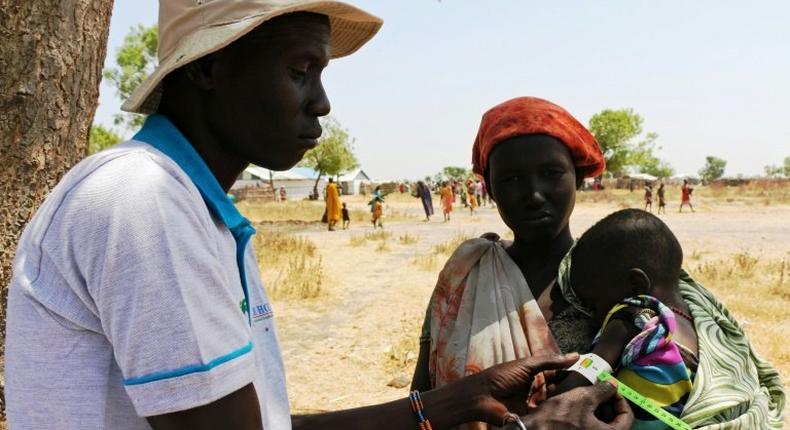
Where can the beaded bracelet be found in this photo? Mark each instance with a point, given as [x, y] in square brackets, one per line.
[416, 406]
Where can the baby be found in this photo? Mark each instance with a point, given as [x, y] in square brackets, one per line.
[624, 274]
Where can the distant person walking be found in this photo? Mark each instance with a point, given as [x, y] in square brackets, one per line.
[346, 217]
[662, 202]
[283, 195]
[377, 210]
[424, 193]
[332, 204]
[447, 201]
[649, 197]
[686, 191]
[479, 193]
[471, 199]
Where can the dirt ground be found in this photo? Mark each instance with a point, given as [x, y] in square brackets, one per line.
[341, 350]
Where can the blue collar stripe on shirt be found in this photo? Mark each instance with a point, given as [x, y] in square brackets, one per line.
[160, 133]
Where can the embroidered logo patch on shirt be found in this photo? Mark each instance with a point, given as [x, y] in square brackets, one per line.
[262, 312]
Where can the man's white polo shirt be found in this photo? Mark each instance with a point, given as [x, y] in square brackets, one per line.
[135, 293]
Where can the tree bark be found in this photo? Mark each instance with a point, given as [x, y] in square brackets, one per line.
[51, 59]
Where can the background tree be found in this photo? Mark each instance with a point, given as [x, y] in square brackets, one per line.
[714, 168]
[333, 155]
[135, 60]
[102, 137]
[456, 173]
[787, 167]
[615, 130]
[773, 170]
[642, 156]
[50, 68]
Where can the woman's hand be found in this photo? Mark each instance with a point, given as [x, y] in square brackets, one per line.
[575, 409]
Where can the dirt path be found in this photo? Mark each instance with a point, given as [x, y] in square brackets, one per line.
[337, 348]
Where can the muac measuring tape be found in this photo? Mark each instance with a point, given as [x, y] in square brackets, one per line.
[595, 368]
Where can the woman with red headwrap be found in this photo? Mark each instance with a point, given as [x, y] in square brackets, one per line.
[495, 300]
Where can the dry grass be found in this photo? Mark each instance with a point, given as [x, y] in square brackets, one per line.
[401, 355]
[447, 248]
[754, 193]
[760, 193]
[378, 235]
[757, 291]
[381, 237]
[308, 211]
[408, 239]
[303, 278]
[357, 240]
[292, 264]
[430, 262]
[427, 263]
[382, 246]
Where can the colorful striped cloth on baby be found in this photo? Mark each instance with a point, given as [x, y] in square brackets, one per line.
[651, 363]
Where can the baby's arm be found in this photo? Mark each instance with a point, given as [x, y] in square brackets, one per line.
[610, 347]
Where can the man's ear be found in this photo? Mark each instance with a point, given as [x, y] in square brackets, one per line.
[201, 72]
[638, 281]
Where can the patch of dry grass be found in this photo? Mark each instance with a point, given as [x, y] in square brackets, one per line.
[754, 193]
[447, 248]
[379, 236]
[762, 193]
[382, 246]
[357, 240]
[408, 239]
[293, 265]
[302, 278]
[401, 355]
[308, 211]
[426, 263]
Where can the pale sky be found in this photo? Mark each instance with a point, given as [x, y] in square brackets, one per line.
[711, 77]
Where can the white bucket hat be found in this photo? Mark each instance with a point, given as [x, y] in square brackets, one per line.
[190, 29]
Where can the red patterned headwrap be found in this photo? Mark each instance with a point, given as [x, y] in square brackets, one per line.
[531, 115]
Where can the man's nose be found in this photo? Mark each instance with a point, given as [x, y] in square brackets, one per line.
[319, 102]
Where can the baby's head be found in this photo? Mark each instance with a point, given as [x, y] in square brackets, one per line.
[628, 253]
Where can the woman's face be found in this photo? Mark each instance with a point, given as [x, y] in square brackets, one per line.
[533, 181]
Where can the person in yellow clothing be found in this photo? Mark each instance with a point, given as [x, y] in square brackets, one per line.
[447, 201]
[332, 204]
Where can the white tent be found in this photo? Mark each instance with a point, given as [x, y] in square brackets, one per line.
[352, 181]
[298, 182]
[642, 177]
[681, 176]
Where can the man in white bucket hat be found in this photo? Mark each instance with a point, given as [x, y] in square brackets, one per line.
[136, 301]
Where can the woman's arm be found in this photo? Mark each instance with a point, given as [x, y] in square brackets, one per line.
[480, 397]
[422, 379]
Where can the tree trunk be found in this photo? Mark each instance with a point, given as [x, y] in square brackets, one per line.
[51, 61]
[315, 186]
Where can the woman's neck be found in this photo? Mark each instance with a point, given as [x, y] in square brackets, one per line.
[536, 254]
[539, 261]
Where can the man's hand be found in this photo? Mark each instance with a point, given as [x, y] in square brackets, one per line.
[508, 384]
[576, 410]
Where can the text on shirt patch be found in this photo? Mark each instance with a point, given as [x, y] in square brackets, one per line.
[262, 312]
